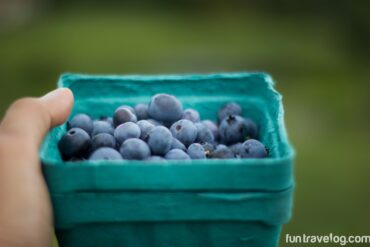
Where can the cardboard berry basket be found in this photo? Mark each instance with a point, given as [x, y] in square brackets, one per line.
[233, 202]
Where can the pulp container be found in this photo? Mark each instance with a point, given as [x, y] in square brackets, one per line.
[232, 202]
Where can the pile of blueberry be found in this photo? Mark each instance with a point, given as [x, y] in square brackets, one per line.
[161, 130]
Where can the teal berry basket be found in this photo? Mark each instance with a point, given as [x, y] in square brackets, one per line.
[233, 202]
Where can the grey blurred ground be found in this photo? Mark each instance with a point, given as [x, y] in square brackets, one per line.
[317, 51]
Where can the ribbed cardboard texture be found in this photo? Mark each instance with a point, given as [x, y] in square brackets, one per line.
[238, 202]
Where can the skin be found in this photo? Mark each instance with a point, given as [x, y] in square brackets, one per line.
[25, 208]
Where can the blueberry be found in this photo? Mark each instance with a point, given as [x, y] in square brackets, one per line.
[184, 131]
[124, 114]
[208, 148]
[204, 134]
[74, 143]
[231, 108]
[155, 158]
[165, 108]
[191, 114]
[102, 140]
[196, 151]
[176, 144]
[134, 149]
[81, 121]
[145, 127]
[106, 119]
[213, 127]
[126, 131]
[236, 149]
[159, 140]
[154, 122]
[234, 129]
[222, 152]
[141, 111]
[253, 149]
[253, 129]
[102, 127]
[177, 154]
[105, 153]
[128, 107]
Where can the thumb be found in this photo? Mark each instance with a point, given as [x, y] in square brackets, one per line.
[29, 119]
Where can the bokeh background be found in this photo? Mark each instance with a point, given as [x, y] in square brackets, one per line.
[318, 51]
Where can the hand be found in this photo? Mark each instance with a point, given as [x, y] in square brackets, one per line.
[25, 208]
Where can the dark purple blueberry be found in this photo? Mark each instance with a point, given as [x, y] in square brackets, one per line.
[102, 140]
[213, 127]
[165, 108]
[126, 131]
[234, 129]
[236, 149]
[191, 114]
[185, 131]
[105, 153]
[222, 152]
[204, 134]
[154, 122]
[196, 151]
[106, 119]
[253, 129]
[253, 149]
[155, 158]
[124, 114]
[82, 121]
[134, 149]
[145, 127]
[74, 143]
[176, 144]
[177, 154]
[102, 127]
[231, 108]
[159, 140]
[141, 111]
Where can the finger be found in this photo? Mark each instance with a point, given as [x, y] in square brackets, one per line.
[29, 119]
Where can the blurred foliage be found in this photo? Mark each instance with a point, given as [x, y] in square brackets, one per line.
[318, 52]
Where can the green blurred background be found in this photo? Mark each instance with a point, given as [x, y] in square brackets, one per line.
[317, 51]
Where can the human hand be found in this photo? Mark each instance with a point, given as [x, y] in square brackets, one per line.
[25, 208]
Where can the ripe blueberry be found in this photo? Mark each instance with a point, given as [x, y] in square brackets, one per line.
[176, 144]
[204, 133]
[222, 152]
[134, 149]
[126, 131]
[231, 108]
[165, 108]
[233, 129]
[105, 153]
[191, 114]
[141, 111]
[196, 151]
[213, 127]
[184, 131]
[159, 140]
[102, 127]
[102, 140]
[82, 121]
[253, 149]
[74, 143]
[177, 154]
[145, 127]
[156, 158]
[124, 114]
